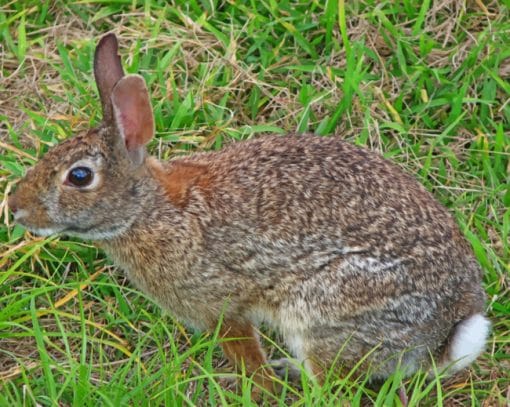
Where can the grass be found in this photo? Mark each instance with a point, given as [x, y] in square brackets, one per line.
[424, 83]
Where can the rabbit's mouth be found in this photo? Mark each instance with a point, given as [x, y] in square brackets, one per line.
[93, 232]
[21, 216]
[20, 213]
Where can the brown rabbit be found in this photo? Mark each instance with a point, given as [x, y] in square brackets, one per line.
[328, 243]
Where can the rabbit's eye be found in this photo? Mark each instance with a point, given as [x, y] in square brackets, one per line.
[80, 176]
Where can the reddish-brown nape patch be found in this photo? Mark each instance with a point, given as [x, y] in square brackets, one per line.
[179, 177]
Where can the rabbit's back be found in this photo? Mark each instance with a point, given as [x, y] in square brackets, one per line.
[323, 192]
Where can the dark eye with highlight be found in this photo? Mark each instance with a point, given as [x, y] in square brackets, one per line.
[80, 176]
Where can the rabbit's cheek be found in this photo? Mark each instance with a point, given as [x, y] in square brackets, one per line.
[71, 207]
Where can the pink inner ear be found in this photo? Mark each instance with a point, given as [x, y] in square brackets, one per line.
[133, 111]
[129, 130]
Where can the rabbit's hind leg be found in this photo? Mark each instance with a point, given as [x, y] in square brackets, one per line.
[241, 346]
[336, 352]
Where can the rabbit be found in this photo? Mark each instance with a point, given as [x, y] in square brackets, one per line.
[334, 247]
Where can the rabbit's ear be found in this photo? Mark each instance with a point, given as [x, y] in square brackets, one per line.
[107, 71]
[133, 114]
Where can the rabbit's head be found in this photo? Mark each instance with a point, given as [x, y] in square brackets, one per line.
[92, 185]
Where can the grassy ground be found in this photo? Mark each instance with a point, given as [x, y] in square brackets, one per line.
[425, 83]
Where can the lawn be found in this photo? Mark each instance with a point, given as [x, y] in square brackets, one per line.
[426, 84]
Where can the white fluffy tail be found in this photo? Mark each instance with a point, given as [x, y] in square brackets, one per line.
[468, 341]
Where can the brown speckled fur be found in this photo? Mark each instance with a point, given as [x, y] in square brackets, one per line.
[328, 243]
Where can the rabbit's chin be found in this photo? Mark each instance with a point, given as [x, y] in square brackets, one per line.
[93, 235]
[44, 232]
[96, 232]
